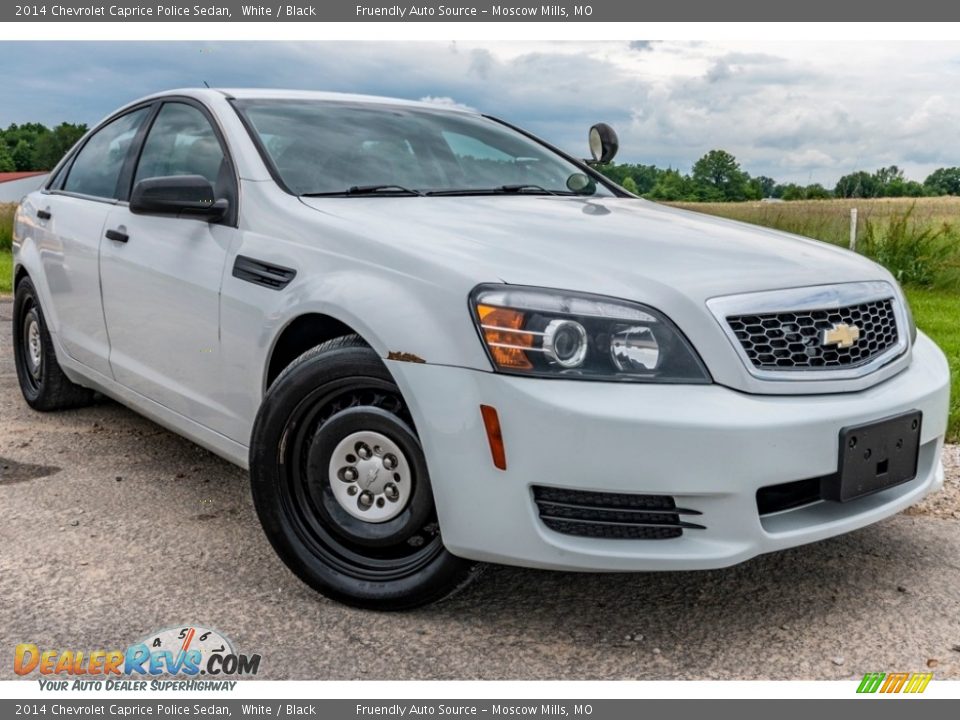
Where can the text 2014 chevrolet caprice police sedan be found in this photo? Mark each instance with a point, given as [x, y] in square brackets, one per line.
[436, 340]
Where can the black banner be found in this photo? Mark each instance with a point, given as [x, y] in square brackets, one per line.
[475, 11]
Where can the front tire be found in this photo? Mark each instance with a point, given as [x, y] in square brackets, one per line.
[341, 487]
[43, 383]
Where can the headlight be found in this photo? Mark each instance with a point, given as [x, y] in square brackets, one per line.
[550, 333]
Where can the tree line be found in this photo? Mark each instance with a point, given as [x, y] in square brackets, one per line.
[715, 177]
[33, 146]
[718, 177]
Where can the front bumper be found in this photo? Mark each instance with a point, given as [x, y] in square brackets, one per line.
[709, 447]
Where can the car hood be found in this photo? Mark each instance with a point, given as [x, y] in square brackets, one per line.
[616, 246]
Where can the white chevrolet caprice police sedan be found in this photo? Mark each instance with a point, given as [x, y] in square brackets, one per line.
[435, 340]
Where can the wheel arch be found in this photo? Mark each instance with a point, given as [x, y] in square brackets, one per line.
[19, 273]
[299, 334]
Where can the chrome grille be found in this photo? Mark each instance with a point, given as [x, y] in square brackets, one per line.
[795, 340]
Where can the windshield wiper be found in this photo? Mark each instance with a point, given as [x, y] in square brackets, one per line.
[515, 189]
[367, 190]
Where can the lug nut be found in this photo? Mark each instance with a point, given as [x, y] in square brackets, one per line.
[391, 492]
[363, 451]
[366, 499]
[349, 474]
[389, 461]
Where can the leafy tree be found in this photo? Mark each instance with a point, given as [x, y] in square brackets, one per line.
[887, 176]
[901, 187]
[630, 185]
[644, 176]
[53, 145]
[792, 191]
[860, 184]
[766, 186]
[816, 191]
[671, 185]
[22, 155]
[6, 161]
[718, 176]
[943, 181]
[885, 182]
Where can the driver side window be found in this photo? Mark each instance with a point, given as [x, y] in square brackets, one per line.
[182, 142]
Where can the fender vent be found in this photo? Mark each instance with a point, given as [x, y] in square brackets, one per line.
[612, 515]
[261, 273]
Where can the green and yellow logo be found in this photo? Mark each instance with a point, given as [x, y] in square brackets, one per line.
[895, 682]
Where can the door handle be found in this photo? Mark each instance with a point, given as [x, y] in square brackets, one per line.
[117, 236]
[44, 214]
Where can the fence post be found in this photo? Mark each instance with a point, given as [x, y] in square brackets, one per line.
[853, 229]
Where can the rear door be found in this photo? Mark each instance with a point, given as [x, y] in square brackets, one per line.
[161, 279]
[72, 216]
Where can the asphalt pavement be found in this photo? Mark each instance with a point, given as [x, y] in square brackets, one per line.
[111, 527]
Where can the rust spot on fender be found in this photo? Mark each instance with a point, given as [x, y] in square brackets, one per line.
[404, 357]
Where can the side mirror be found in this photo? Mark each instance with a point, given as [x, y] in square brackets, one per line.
[181, 195]
[603, 143]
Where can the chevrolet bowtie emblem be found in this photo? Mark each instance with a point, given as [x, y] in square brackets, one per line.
[841, 335]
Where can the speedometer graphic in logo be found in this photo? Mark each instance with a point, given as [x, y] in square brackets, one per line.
[192, 639]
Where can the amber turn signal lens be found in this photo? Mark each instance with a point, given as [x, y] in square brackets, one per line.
[502, 331]
[491, 421]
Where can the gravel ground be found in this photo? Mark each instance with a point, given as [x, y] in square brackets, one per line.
[112, 527]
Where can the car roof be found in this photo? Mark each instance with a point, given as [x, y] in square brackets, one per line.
[320, 96]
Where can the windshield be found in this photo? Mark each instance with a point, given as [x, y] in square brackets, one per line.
[320, 147]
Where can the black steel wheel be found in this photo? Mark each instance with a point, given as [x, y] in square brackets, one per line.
[43, 383]
[341, 485]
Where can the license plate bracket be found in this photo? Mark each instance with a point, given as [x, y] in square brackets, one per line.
[876, 456]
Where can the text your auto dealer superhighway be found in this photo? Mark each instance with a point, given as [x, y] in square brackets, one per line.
[138, 11]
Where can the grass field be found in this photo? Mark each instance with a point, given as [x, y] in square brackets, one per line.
[6, 271]
[6, 232]
[829, 220]
[937, 313]
[936, 306]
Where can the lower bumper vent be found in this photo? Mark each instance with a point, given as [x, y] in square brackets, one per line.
[612, 515]
[791, 495]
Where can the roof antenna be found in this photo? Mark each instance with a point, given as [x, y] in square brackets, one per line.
[206, 84]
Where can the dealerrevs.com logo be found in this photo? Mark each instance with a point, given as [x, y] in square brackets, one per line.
[189, 657]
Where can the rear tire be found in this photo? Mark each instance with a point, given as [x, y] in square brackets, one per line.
[341, 487]
[43, 383]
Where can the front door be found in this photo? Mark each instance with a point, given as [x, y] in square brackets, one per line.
[161, 276]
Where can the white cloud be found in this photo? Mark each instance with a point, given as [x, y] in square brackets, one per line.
[800, 111]
[445, 102]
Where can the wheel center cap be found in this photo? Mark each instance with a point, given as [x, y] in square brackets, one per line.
[371, 475]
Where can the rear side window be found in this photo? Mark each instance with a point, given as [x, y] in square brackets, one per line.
[181, 142]
[96, 169]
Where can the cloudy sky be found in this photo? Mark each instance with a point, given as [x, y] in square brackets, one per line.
[801, 112]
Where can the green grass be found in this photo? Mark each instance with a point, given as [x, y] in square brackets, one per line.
[937, 313]
[6, 226]
[6, 237]
[6, 272]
